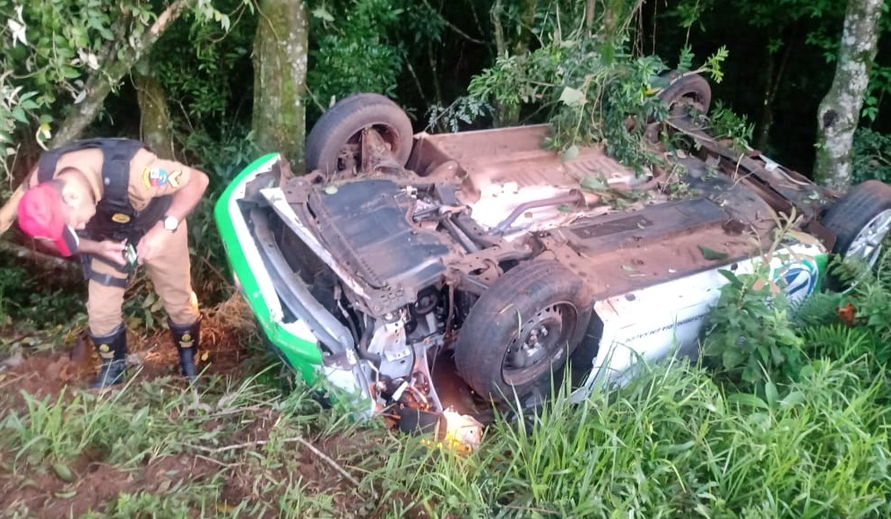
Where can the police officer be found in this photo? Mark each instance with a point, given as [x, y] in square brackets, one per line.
[104, 199]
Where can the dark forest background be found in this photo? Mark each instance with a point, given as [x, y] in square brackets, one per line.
[424, 54]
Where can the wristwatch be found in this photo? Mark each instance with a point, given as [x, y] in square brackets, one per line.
[171, 223]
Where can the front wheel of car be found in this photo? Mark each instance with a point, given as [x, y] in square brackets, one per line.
[359, 134]
[861, 221]
[519, 334]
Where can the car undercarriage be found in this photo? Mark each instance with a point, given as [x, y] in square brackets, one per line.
[462, 270]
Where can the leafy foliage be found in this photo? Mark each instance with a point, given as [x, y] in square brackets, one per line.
[673, 443]
[57, 46]
[872, 156]
[724, 123]
[363, 45]
[28, 300]
[590, 95]
[871, 298]
[750, 331]
[203, 68]
[53, 47]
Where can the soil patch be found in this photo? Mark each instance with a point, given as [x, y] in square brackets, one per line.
[95, 483]
[46, 374]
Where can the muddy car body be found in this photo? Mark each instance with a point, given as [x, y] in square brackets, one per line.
[425, 272]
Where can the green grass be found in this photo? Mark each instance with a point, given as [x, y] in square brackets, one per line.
[681, 440]
[674, 443]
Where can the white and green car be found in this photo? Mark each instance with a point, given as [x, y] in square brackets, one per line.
[426, 272]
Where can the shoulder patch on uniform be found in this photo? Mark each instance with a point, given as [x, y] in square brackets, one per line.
[174, 177]
[159, 177]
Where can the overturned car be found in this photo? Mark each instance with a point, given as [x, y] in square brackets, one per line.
[427, 272]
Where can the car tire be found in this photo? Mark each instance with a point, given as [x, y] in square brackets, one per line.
[346, 119]
[518, 335]
[861, 220]
[690, 88]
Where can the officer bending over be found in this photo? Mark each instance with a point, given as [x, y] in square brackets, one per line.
[115, 204]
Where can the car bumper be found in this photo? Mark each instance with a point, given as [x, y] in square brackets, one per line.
[264, 293]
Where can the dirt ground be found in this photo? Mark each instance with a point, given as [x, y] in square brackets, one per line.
[48, 373]
[95, 482]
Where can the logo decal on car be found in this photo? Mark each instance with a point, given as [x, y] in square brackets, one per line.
[798, 280]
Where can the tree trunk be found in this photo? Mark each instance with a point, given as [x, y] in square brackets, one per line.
[839, 111]
[504, 115]
[118, 60]
[47, 262]
[280, 49]
[772, 86]
[589, 17]
[615, 18]
[609, 19]
[498, 29]
[527, 20]
[154, 118]
[766, 109]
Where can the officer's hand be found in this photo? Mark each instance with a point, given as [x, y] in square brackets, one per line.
[152, 243]
[112, 251]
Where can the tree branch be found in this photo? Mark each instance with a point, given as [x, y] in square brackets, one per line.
[45, 261]
[112, 70]
[257, 443]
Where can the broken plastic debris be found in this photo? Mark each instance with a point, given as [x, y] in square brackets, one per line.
[460, 432]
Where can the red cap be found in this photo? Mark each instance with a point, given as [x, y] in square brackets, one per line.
[40, 215]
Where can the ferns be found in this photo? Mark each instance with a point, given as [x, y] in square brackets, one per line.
[820, 308]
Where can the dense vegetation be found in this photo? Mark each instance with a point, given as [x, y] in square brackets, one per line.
[806, 439]
[793, 425]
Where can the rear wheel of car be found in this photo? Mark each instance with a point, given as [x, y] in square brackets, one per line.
[361, 132]
[691, 91]
[687, 98]
[861, 221]
[518, 335]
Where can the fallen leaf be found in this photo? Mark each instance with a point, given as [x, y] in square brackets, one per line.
[63, 472]
[14, 361]
[322, 14]
[163, 487]
[572, 97]
[570, 153]
[848, 314]
[711, 254]
[592, 183]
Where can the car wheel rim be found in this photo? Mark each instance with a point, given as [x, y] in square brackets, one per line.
[867, 245]
[542, 341]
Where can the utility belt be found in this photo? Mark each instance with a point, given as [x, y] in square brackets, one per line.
[102, 227]
[109, 280]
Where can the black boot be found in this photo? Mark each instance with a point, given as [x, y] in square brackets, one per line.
[112, 350]
[187, 339]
